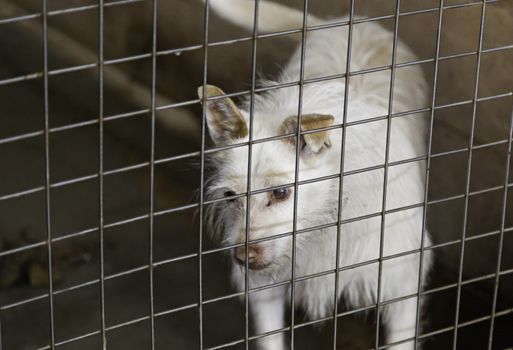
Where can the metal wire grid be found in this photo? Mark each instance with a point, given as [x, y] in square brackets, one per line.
[203, 152]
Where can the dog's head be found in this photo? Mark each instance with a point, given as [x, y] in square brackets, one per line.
[273, 164]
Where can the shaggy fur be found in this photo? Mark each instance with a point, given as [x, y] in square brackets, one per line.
[273, 165]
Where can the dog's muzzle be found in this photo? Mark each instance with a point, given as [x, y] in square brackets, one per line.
[254, 257]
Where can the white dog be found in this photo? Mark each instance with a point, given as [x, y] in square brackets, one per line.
[273, 166]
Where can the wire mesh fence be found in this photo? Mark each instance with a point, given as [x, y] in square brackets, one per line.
[150, 217]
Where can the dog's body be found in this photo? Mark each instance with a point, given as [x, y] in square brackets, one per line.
[273, 164]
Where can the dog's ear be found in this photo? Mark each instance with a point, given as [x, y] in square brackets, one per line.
[310, 143]
[225, 121]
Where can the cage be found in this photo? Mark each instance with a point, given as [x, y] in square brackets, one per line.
[103, 146]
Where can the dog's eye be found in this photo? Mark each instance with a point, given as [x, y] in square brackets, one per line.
[280, 194]
[229, 194]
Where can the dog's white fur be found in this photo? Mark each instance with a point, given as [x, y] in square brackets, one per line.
[273, 164]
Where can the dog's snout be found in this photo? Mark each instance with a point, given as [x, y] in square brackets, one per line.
[240, 254]
[253, 256]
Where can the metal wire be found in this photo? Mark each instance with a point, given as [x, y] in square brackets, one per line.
[66, 11]
[385, 172]
[260, 90]
[211, 251]
[341, 178]
[303, 324]
[285, 282]
[37, 75]
[217, 250]
[47, 175]
[469, 168]
[101, 32]
[366, 308]
[501, 237]
[296, 173]
[52, 237]
[426, 180]
[202, 174]
[248, 180]
[152, 171]
[303, 182]
[124, 2]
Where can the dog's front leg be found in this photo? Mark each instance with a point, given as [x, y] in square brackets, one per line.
[268, 311]
[400, 321]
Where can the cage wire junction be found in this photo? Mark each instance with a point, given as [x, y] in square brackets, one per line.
[53, 290]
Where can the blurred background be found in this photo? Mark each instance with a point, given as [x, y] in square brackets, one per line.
[73, 95]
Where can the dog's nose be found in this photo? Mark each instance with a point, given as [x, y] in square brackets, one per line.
[240, 255]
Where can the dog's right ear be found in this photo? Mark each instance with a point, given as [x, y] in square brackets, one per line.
[224, 120]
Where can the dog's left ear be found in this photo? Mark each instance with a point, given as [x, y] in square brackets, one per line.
[224, 120]
[310, 143]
